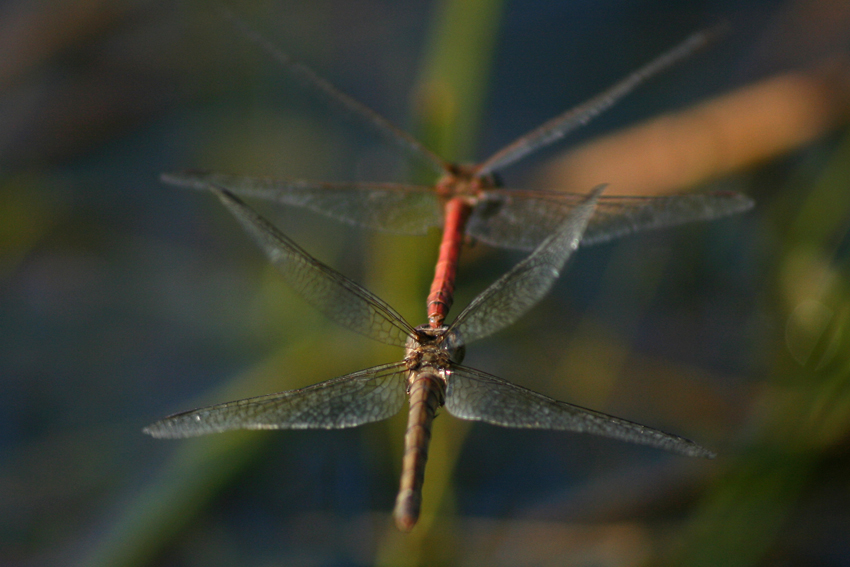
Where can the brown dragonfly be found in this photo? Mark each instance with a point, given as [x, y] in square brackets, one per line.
[430, 373]
[466, 199]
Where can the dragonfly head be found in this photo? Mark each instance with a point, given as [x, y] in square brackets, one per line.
[440, 338]
[463, 180]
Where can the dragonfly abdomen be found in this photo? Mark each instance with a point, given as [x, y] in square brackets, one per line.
[427, 394]
[441, 297]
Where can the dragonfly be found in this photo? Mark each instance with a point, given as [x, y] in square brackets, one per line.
[430, 374]
[467, 200]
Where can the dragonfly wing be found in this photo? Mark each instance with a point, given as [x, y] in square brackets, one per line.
[518, 219]
[477, 396]
[624, 215]
[561, 125]
[348, 401]
[521, 288]
[338, 297]
[523, 219]
[388, 207]
[352, 107]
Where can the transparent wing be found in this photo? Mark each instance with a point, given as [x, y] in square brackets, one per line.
[504, 218]
[347, 401]
[477, 396]
[561, 125]
[402, 209]
[521, 288]
[339, 298]
[311, 79]
[510, 218]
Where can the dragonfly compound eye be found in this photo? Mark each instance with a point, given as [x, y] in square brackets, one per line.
[453, 345]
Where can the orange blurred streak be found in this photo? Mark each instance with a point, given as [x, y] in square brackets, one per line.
[712, 139]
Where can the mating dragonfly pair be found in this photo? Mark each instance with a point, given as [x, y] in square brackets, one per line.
[467, 203]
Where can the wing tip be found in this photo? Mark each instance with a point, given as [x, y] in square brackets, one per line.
[701, 452]
[167, 429]
[187, 178]
[156, 430]
[689, 448]
[742, 201]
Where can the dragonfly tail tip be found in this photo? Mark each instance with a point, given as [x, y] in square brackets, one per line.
[406, 511]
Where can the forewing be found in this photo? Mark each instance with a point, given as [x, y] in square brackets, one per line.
[624, 215]
[338, 297]
[561, 125]
[355, 108]
[348, 401]
[477, 396]
[521, 288]
[401, 209]
[523, 219]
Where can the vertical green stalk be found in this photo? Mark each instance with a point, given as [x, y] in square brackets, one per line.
[451, 91]
[448, 103]
[455, 77]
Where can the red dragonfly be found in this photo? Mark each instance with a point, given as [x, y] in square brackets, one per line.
[466, 200]
[430, 373]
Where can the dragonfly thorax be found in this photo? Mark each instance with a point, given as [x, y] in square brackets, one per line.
[462, 180]
[434, 347]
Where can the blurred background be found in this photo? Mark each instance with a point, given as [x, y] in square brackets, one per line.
[123, 300]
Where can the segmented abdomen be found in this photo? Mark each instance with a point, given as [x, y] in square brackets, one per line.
[427, 394]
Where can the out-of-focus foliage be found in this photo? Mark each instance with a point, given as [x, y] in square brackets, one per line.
[122, 300]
